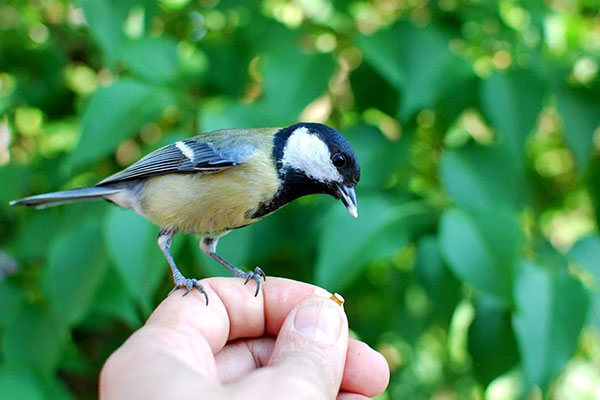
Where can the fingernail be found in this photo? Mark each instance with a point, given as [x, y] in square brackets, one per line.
[319, 321]
[321, 292]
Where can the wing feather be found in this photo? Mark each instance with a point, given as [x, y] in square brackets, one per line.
[186, 156]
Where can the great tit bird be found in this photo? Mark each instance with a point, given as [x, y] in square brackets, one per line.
[224, 180]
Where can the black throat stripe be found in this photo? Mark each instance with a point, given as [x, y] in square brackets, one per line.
[294, 183]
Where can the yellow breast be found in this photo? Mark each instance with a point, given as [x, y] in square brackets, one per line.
[210, 203]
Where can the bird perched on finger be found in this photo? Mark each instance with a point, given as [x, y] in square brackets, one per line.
[224, 180]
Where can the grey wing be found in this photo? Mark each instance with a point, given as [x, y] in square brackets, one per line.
[185, 156]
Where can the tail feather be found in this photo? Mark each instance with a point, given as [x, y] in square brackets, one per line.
[68, 196]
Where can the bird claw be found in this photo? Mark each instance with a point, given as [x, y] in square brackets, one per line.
[256, 275]
[188, 284]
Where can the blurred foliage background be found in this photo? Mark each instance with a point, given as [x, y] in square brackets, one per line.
[475, 263]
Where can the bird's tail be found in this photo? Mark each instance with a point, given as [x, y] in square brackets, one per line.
[68, 196]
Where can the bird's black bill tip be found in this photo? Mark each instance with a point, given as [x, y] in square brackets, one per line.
[348, 197]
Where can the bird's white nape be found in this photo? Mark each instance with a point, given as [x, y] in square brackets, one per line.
[306, 152]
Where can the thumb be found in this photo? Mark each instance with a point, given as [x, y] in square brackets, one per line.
[311, 348]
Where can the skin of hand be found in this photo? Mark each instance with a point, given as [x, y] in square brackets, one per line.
[290, 342]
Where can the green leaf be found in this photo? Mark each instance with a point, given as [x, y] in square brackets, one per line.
[35, 338]
[512, 103]
[502, 232]
[114, 114]
[551, 311]
[492, 343]
[417, 61]
[593, 184]
[288, 93]
[362, 80]
[39, 227]
[113, 299]
[14, 182]
[228, 61]
[20, 382]
[580, 112]
[13, 300]
[132, 245]
[75, 270]
[56, 388]
[476, 177]
[221, 113]
[285, 94]
[440, 284]
[106, 19]
[470, 255]
[586, 252]
[379, 157]
[73, 360]
[154, 59]
[594, 310]
[347, 245]
[384, 51]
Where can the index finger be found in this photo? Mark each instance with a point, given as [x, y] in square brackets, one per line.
[233, 311]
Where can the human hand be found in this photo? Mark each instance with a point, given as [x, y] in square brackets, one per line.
[289, 342]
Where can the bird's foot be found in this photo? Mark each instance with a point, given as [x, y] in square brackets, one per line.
[188, 284]
[257, 274]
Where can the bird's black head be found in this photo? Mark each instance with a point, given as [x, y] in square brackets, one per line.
[314, 158]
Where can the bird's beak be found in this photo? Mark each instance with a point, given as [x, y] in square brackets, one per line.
[348, 197]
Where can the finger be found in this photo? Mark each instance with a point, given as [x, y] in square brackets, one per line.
[177, 332]
[366, 371]
[241, 357]
[184, 329]
[148, 358]
[351, 396]
[185, 322]
[251, 317]
[185, 319]
[309, 354]
[233, 306]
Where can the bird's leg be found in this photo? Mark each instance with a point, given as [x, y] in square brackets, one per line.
[165, 236]
[208, 245]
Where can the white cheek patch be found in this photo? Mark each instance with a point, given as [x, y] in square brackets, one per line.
[307, 153]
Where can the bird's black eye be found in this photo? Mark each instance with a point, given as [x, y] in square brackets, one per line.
[338, 160]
